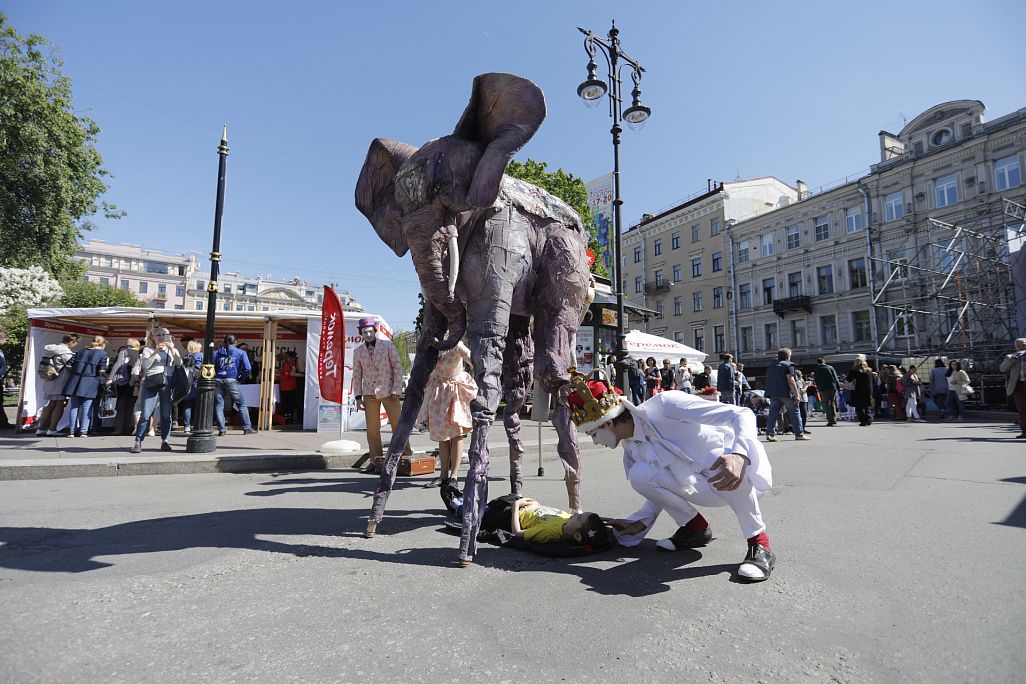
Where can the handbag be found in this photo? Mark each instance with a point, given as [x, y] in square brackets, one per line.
[965, 390]
[108, 403]
[155, 381]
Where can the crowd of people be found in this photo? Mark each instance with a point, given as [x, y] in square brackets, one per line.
[647, 377]
[134, 390]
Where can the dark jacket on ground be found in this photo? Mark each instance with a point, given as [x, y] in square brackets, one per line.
[88, 372]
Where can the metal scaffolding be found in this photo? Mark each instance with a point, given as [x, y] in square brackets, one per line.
[953, 294]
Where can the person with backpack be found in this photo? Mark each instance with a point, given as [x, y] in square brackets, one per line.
[52, 371]
[157, 361]
[85, 376]
[193, 363]
[125, 385]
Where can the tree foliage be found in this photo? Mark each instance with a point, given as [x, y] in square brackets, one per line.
[51, 175]
[566, 187]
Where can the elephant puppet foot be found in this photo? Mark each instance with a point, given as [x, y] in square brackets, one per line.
[465, 562]
[372, 529]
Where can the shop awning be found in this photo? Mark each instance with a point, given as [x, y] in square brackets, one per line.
[642, 345]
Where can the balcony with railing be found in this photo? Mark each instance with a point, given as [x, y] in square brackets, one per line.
[800, 303]
[657, 287]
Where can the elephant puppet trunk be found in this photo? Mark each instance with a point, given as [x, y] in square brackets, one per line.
[428, 237]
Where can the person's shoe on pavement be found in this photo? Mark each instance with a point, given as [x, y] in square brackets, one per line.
[770, 438]
[164, 446]
[758, 563]
[803, 438]
[136, 448]
[248, 431]
[696, 533]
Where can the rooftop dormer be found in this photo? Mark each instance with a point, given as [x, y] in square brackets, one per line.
[937, 127]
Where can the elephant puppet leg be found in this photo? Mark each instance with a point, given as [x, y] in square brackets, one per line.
[517, 362]
[423, 364]
[559, 295]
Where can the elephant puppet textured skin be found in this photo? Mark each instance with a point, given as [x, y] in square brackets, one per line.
[492, 254]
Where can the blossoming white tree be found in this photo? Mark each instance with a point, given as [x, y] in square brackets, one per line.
[27, 287]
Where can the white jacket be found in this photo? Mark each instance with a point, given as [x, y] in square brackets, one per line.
[55, 387]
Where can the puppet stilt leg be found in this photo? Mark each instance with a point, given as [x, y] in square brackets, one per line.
[517, 364]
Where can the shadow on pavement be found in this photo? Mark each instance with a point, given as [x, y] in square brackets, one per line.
[45, 549]
[1017, 518]
[639, 571]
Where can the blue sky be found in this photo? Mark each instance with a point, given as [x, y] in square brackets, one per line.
[793, 90]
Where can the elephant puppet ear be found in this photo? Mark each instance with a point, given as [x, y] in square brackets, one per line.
[375, 190]
[504, 112]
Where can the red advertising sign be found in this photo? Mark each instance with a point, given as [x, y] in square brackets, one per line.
[331, 359]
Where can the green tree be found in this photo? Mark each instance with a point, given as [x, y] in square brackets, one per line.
[566, 187]
[51, 175]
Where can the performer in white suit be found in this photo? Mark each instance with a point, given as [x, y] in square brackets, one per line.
[681, 452]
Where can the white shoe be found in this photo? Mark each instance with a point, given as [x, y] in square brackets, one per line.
[749, 571]
[50, 433]
[40, 433]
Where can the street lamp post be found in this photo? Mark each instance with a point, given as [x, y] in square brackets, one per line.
[591, 91]
[202, 439]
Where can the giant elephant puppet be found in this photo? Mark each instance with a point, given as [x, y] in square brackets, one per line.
[498, 259]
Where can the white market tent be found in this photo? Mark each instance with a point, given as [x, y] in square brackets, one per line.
[641, 345]
[267, 332]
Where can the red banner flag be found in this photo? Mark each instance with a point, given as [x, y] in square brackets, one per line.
[331, 359]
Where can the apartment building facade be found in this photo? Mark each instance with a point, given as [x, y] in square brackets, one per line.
[906, 260]
[177, 281]
[677, 261]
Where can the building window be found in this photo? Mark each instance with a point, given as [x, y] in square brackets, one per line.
[894, 207]
[717, 261]
[769, 333]
[179, 290]
[659, 308]
[198, 306]
[201, 284]
[676, 273]
[265, 308]
[227, 289]
[144, 287]
[179, 306]
[828, 329]
[767, 245]
[717, 297]
[941, 137]
[1007, 173]
[637, 255]
[714, 226]
[238, 307]
[154, 267]
[822, 228]
[798, 333]
[860, 326]
[638, 285]
[251, 307]
[696, 301]
[678, 306]
[742, 252]
[745, 296]
[747, 339]
[853, 220]
[793, 235]
[696, 267]
[718, 339]
[675, 241]
[678, 336]
[905, 325]
[162, 290]
[857, 273]
[768, 286]
[124, 284]
[794, 284]
[659, 277]
[227, 306]
[945, 191]
[104, 281]
[700, 339]
[897, 264]
[657, 247]
[696, 233]
[825, 279]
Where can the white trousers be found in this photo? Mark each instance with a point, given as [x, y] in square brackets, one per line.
[659, 486]
[911, 408]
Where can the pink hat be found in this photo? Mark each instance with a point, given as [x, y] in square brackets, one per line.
[367, 323]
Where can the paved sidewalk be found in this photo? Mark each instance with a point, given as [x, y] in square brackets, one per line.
[28, 457]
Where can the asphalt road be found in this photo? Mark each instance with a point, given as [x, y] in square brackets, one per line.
[900, 549]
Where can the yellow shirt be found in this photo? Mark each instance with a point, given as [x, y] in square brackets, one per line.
[542, 524]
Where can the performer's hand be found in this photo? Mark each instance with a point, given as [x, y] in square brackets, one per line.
[359, 405]
[733, 471]
[626, 527]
